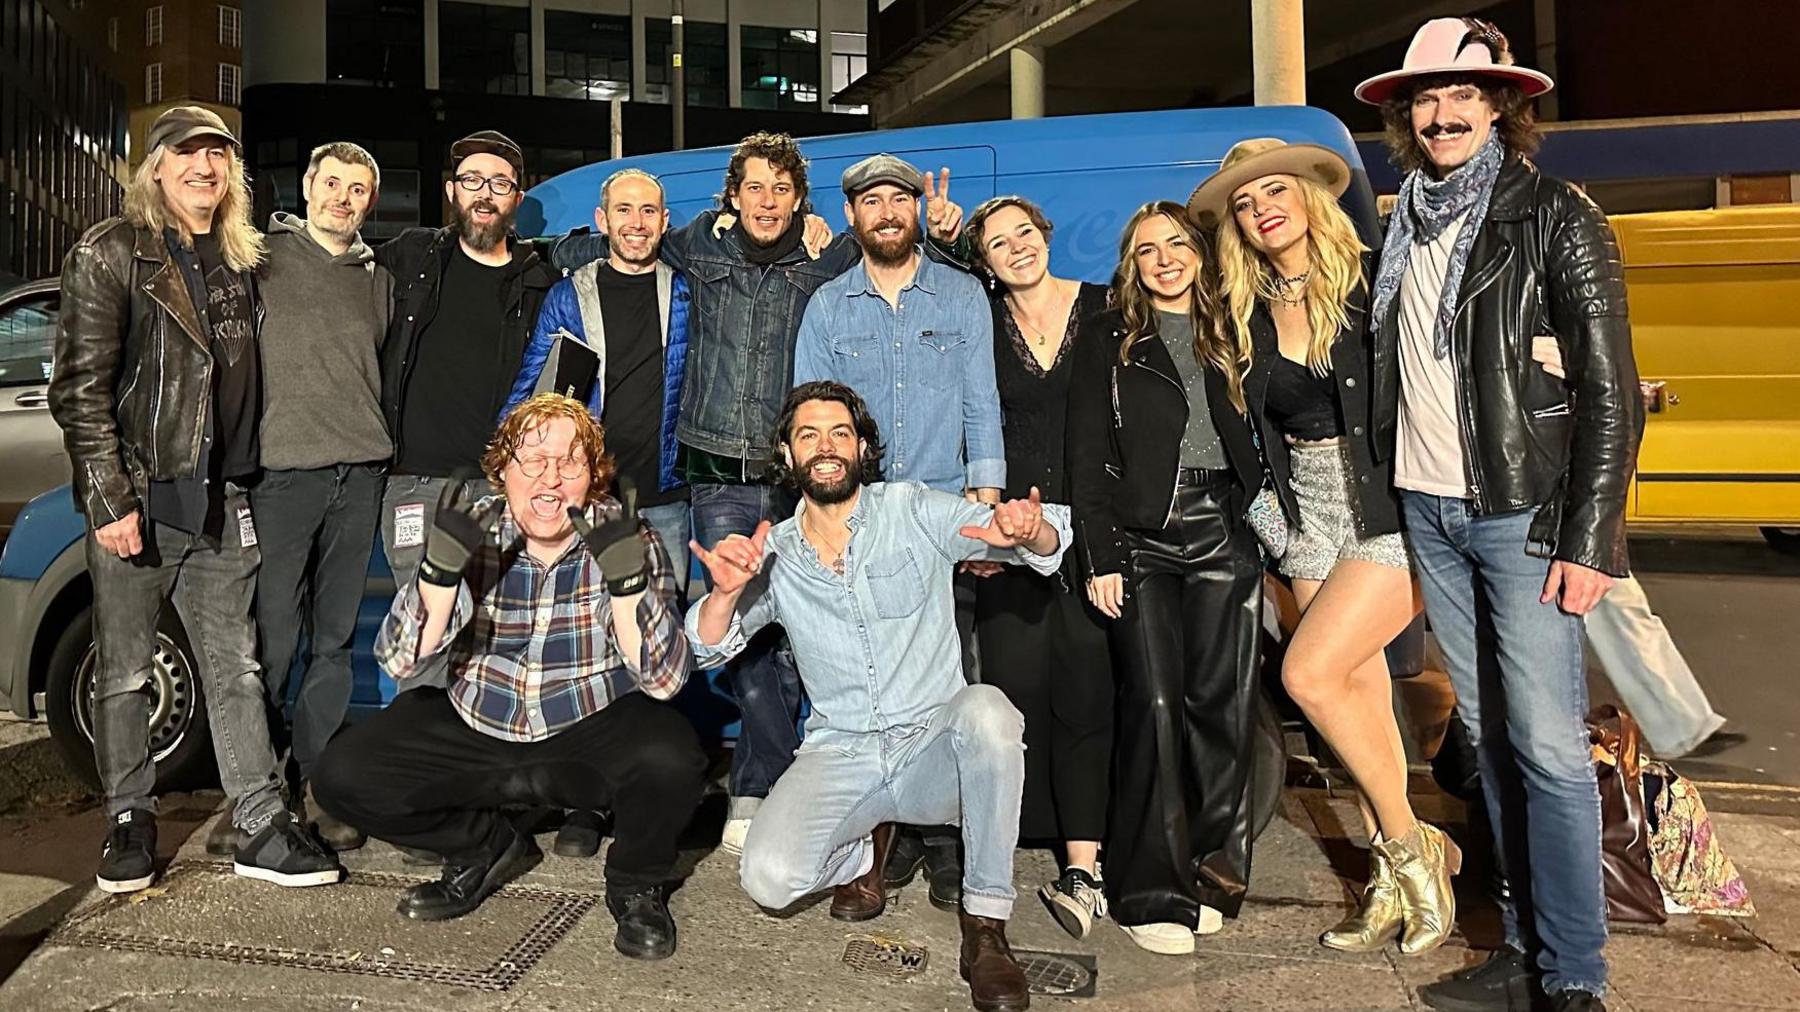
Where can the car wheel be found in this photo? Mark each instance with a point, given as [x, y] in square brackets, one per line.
[1785, 540]
[180, 739]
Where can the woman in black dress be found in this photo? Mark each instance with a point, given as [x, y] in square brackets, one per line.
[1041, 643]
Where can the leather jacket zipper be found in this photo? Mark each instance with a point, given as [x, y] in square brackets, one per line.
[1175, 479]
[1471, 463]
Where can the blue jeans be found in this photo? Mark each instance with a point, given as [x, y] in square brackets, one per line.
[1648, 672]
[763, 677]
[965, 767]
[1519, 663]
[674, 524]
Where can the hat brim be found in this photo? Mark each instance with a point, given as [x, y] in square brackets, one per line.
[201, 130]
[1381, 87]
[1206, 207]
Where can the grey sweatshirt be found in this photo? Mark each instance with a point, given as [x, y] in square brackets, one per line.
[321, 341]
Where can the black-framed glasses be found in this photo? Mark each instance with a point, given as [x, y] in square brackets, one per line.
[570, 468]
[499, 186]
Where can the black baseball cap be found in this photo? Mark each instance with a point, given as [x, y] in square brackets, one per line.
[489, 142]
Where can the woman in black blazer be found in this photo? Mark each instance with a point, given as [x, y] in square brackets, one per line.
[1161, 463]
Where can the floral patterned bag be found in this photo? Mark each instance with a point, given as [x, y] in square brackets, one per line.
[1692, 868]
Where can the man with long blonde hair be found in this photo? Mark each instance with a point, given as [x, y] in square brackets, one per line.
[158, 390]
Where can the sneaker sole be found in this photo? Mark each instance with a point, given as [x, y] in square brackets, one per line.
[1163, 947]
[125, 885]
[1517, 999]
[1067, 912]
[290, 880]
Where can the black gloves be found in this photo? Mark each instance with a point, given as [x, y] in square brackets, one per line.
[616, 547]
[457, 531]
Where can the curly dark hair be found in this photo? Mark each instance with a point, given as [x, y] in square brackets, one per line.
[1518, 127]
[866, 429]
[780, 151]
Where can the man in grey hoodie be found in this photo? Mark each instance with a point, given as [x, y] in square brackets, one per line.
[325, 446]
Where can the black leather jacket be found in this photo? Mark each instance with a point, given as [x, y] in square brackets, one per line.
[1124, 440]
[1545, 262]
[133, 379]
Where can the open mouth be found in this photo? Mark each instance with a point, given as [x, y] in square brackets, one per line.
[1271, 223]
[1023, 262]
[766, 222]
[1170, 275]
[547, 506]
[827, 470]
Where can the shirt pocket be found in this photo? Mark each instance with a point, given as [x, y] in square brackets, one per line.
[857, 360]
[894, 585]
[709, 285]
[941, 358]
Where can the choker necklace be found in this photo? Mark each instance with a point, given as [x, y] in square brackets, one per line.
[1290, 292]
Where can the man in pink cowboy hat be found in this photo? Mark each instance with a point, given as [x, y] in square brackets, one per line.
[1513, 482]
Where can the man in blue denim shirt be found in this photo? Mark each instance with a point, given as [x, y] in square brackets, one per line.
[860, 577]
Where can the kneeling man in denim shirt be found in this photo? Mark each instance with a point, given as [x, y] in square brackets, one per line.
[860, 578]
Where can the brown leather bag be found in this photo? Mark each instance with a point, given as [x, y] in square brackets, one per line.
[1631, 890]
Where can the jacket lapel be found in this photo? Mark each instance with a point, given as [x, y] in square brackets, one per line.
[167, 286]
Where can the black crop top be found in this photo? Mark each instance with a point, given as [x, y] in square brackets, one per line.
[1303, 403]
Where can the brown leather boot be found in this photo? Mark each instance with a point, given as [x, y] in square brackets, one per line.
[864, 898]
[996, 984]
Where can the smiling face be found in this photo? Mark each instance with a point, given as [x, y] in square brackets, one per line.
[1167, 262]
[633, 218]
[1451, 124]
[540, 503]
[886, 220]
[765, 201]
[193, 176]
[1270, 213]
[483, 218]
[1015, 249]
[823, 452]
[338, 197]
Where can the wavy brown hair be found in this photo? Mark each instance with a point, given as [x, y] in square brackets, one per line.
[780, 151]
[240, 244]
[534, 414]
[866, 427]
[1211, 345]
[1517, 126]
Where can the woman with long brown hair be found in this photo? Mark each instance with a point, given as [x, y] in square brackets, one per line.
[1161, 463]
[1294, 283]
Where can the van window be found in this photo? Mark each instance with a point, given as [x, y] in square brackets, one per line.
[27, 337]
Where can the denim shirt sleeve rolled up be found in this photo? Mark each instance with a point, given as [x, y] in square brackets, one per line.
[876, 645]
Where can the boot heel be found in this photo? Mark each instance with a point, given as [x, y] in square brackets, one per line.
[1453, 856]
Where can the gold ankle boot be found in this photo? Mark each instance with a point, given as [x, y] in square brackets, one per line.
[1378, 920]
[1423, 861]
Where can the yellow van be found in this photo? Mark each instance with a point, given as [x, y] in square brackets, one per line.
[1715, 321]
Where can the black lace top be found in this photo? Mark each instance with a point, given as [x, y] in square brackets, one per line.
[1300, 401]
[1034, 400]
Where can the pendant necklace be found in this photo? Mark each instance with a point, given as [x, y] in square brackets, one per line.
[1290, 292]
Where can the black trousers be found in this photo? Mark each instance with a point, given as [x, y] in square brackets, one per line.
[1186, 651]
[417, 776]
[1046, 649]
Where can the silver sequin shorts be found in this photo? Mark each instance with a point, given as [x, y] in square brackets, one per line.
[1327, 528]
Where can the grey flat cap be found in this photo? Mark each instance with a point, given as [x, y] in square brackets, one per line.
[883, 168]
[184, 123]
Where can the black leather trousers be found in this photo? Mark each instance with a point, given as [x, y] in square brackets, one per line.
[1185, 652]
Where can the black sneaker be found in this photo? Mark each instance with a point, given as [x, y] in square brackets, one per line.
[464, 886]
[287, 855]
[128, 858]
[646, 929]
[1576, 1000]
[1505, 982]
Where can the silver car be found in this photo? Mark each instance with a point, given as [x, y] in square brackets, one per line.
[34, 460]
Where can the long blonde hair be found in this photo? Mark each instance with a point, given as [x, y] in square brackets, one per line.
[240, 244]
[1335, 251]
[1210, 343]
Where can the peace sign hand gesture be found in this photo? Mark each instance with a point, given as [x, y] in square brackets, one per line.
[943, 216]
[734, 561]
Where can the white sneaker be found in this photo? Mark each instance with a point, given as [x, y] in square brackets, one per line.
[1167, 938]
[1211, 921]
[1076, 900]
[731, 841]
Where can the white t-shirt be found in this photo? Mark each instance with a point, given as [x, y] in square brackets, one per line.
[1428, 455]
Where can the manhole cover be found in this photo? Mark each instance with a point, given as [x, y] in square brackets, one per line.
[882, 956]
[1059, 974]
[204, 911]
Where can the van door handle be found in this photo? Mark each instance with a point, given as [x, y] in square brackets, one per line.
[1657, 396]
[35, 399]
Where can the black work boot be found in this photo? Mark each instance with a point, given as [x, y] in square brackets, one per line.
[464, 885]
[944, 871]
[646, 929]
[579, 835]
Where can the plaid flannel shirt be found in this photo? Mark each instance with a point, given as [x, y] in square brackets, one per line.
[539, 653]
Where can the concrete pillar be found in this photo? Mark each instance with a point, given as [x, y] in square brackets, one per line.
[432, 55]
[640, 56]
[1027, 82]
[1544, 21]
[1278, 51]
[537, 47]
[734, 57]
[824, 31]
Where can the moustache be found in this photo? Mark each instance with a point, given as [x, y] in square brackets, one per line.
[1436, 130]
[482, 205]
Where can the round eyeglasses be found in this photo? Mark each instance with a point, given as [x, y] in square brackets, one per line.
[570, 468]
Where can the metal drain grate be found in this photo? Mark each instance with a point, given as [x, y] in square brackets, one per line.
[563, 910]
[884, 956]
[1059, 974]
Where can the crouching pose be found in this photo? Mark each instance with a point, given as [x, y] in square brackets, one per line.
[860, 577]
[556, 607]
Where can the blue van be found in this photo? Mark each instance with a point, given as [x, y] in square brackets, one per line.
[1088, 172]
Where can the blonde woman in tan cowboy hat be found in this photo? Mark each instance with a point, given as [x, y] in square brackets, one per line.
[1294, 288]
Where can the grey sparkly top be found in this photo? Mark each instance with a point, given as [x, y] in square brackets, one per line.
[1200, 443]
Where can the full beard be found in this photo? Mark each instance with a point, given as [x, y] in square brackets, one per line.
[830, 493]
[483, 237]
[889, 252]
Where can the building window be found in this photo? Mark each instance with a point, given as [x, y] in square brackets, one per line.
[587, 55]
[781, 67]
[849, 61]
[706, 58]
[231, 83]
[153, 26]
[378, 42]
[231, 27]
[112, 34]
[152, 83]
[484, 48]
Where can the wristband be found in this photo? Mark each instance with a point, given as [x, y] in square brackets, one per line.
[629, 585]
[431, 574]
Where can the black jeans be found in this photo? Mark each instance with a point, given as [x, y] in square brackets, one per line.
[1046, 649]
[1186, 650]
[318, 528]
[417, 776]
